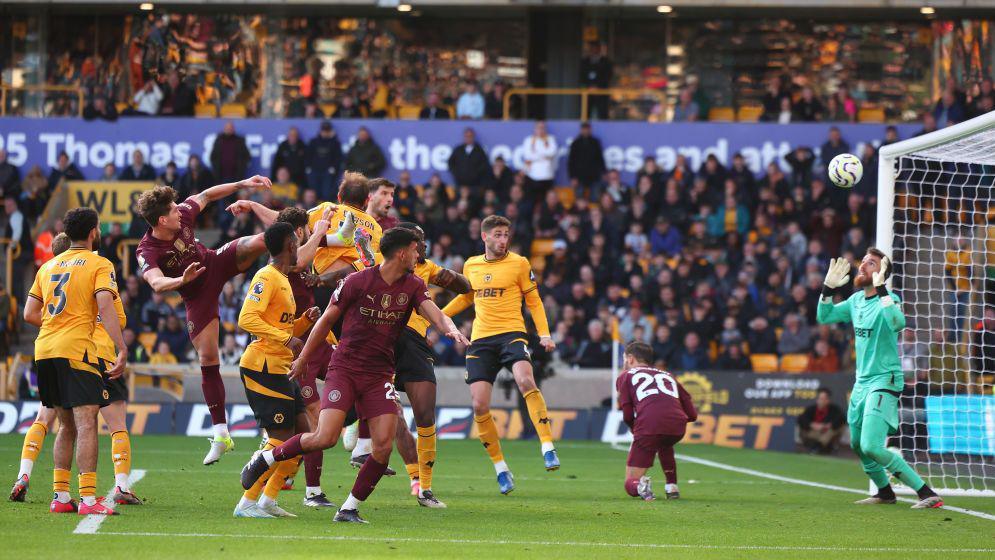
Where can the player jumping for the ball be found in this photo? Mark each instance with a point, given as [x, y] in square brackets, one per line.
[873, 411]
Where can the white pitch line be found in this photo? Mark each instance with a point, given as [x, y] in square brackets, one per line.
[91, 523]
[801, 482]
[386, 540]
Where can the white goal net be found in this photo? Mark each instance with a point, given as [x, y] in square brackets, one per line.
[936, 218]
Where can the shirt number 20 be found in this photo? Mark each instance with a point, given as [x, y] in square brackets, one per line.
[663, 382]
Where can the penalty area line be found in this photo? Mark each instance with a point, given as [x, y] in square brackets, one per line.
[91, 523]
[389, 540]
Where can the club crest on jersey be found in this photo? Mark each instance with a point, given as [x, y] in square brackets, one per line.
[257, 288]
[334, 395]
[190, 326]
[106, 395]
[487, 278]
[402, 299]
[385, 302]
[180, 245]
[307, 391]
[278, 418]
[187, 232]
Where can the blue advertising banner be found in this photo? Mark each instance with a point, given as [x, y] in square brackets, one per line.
[961, 424]
[421, 147]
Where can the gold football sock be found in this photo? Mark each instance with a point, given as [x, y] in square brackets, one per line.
[487, 432]
[275, 483]
[412, 470]
[60, 480]
[121, 452]
[426, 455]
[87, 484]
[257, 488]
[540, 418]
[33, 441]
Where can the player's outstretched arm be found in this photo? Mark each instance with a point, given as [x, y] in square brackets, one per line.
[306, 253]
[442, 322]
[317, 337]
[458, 305]
[108, 317]
[304, 322]
[452, 281]
[266, 216]
[162, 283]
[890, 306]
[219, 192]
[837, 277]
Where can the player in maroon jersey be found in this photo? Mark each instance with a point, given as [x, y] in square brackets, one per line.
[374, 306]
[657, 409]
[171, 258]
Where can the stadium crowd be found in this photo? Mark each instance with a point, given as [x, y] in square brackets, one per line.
[709, 265]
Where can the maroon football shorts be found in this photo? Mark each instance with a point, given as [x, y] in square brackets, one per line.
[221, 267]
[314, 370]
[645, 448]
[372, 395]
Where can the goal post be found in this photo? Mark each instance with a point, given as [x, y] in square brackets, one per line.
[936, 220]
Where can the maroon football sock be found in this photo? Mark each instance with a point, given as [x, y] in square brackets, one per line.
[631, 485]
[312, 467]
[668, 464]
[364, 429]
[214, 392]
[290, 449]
[371, 473]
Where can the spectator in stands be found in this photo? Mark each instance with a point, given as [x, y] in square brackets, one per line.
[796, 337]
[147, 100]
[635, 320]
[808, 108]
[842, 107]
[664, 348]
[178, 99]
[19, 233]
[154, 313]
[613, 188]
[229, 156]
[365, 156]
[596, 71]
[833, 146]
[948, 110]
[801, 160]
[494, 101]
[231, 353]
[773, 101]
[760, 337]
[824, 358]
[958, 278]
[64, 170]
[983, 353]
[821, 424]
[136, 351]
[325, 162]
[175, 336]
[693, 355]
[787, 114]
[539, 152]
[100, 108]
[196, 179]
[432, 110]
[596, 350]
[586, 162]
[170, 177]
[468, 163]
[347, 109]
[292, 154]
[34, 192]
[984, 101]
[928, 124]
[502, 178]
[10, 176]
[470, 104]
[686, 109]
[162, 355]
[732, 358]
[138, 170]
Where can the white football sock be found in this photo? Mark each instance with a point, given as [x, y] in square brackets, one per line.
[221, 431]
[500, 467]
[670, 488]
[88, 500]
[548, 446]
[26, 466]
[351, 503]
[265, 501]
[63, 497]
[268, 455]
[312, 491]
[364, 446]
[245, 502]
[121, 481]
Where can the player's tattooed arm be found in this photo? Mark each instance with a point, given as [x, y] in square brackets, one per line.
[162, 283]
[452, 280]
[219, 192]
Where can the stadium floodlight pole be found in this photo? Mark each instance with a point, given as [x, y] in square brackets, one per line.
[951, 434]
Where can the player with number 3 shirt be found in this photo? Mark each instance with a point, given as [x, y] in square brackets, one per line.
[657, 409]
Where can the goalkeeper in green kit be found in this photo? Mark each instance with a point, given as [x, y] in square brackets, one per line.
[873, 411]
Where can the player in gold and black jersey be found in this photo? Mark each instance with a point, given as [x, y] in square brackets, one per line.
[500, 280]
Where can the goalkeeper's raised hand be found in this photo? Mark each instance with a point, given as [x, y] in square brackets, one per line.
[882, 274]
[837, 276]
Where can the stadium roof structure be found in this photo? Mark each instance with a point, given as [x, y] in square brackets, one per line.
[939, 5]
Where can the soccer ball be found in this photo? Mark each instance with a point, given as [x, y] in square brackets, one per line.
[845, 170]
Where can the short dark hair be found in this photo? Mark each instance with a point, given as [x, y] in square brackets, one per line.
[380, 183]
[413, 227]
[641, 351]
[296, 217]
[491, 222]
[60, 244]
[354, 189]
[79, 222]
[276, 237]
[884, 258]
[396, 238]
[155, 203]
[824, 390]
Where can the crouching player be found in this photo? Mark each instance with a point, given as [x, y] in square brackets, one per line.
[268, 315]
[657, 410]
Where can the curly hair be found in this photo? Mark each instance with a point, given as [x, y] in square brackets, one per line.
[296, 217]
[156, 203]
[79, 222]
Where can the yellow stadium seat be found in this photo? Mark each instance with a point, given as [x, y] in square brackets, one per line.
[228, 327]
[147, 339]
[722, 114]
[871, 114]
[566, 196]
[408, 112]
[204, 110]
[794, 363]
[749, 113]
[328, 109]
[542, 247]
[173, 299]
[764, 363]
[778, 332]
[234, 110]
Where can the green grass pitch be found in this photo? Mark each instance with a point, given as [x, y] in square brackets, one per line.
[580, 511]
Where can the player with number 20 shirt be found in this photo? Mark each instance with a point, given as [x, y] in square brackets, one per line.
[657, 409]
